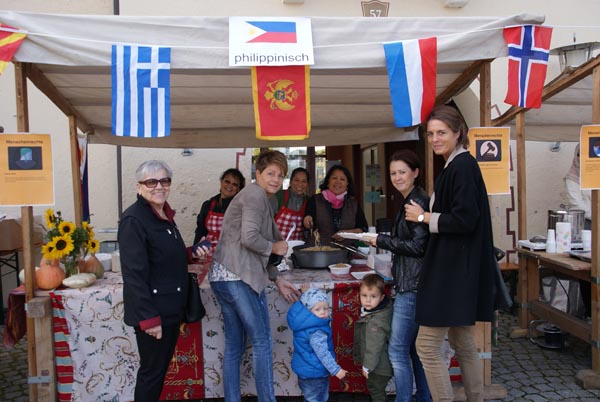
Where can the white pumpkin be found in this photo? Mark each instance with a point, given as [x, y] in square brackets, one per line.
[79, 280]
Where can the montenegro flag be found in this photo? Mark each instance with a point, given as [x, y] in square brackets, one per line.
[281, 102]
[9, 43]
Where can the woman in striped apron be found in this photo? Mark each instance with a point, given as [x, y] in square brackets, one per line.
[210, 219]
[291, 204]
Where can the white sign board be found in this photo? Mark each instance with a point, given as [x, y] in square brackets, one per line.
[270, 41]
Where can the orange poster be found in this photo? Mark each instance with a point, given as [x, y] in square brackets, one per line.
[490, 147]
[26, 176]
[589, 157]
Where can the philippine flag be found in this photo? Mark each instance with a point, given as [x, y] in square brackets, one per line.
[141, 94]
[528, 50]
[412, 67]
[272, 32]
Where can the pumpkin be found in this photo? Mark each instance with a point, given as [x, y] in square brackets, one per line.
[49, 275]
[92, 265]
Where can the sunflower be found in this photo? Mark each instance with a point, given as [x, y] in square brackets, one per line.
[93, 246]
[62, 246]
[66, 228]
[50, 219]
[48, 251]
[88, 228]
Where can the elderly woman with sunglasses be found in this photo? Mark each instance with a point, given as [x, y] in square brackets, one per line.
[209, 222]
[154, 262]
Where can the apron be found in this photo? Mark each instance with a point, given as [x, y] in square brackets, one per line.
[286, 217]
[214, 224]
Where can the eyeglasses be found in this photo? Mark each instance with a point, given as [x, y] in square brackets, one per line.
[231, 183]
[152, 183]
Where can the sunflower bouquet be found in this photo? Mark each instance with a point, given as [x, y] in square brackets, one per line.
[67, 242]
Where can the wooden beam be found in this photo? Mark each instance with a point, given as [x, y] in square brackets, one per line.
[485, 95]
[39, 79]
[27, 227]
[461, 83]
[75, 170]
[563, 81]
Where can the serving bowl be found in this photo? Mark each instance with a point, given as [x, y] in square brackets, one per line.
[340, 268]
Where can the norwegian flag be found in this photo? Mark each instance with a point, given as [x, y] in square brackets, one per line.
[528, 50]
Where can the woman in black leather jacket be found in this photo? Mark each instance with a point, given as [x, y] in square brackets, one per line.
[407, 242]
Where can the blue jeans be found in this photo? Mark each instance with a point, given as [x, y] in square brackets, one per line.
[403, 353]
[314, 389]
[245, 314]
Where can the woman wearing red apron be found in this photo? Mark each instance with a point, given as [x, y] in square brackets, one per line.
[210, 218]
[291, 204]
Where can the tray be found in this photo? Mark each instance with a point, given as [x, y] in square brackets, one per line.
[356, 236]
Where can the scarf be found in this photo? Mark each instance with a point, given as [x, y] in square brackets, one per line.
[336, 201]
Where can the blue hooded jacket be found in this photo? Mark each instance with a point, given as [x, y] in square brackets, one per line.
[303, 323]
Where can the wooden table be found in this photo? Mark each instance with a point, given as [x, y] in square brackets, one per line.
[530, 263]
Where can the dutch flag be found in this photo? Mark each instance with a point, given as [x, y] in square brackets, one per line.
[141, 98]
[411, 67]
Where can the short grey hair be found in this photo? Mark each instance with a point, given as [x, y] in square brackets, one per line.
[152, 166]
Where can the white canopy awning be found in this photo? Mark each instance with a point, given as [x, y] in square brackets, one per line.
[211, 103]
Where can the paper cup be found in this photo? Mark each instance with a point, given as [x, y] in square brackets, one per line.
[586, 239]
[563, 237]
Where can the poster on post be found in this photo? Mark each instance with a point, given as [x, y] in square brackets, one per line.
[26, 175]
[589, 155]
[490, 147]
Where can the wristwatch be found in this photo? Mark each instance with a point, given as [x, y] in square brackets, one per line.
[421, 217]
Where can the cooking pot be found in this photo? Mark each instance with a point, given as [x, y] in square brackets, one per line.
[576, 217]
[317, 259]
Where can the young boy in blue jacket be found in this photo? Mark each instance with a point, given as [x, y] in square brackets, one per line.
[313, 359]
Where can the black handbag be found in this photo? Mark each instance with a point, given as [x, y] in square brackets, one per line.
[502, 299]
[194, 309]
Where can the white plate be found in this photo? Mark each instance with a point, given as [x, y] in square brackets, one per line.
[356, 236]
[361, 274]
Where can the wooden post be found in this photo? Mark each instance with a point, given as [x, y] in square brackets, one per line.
[595, 269]
[27, 227]
[485, 119]
[522, 216]
[591, 378]
[40, 310]
[75, 170]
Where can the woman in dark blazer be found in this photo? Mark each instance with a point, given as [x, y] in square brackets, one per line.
[154, 263]
[455, 288]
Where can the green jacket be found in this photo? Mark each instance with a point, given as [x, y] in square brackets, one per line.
[371, 338]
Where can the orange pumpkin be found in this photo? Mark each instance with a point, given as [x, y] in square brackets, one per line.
[49, 275]
[92, 265]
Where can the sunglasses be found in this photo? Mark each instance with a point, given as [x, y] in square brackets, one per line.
[152, 183]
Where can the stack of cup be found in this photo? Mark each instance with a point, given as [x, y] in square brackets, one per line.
[551, 241]
[563, 237]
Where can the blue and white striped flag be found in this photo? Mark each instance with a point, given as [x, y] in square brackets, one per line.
[141, 94]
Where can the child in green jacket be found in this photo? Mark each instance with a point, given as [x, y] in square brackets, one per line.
[372, 334]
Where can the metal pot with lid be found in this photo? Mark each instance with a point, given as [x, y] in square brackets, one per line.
[318, 259]
[576, 217]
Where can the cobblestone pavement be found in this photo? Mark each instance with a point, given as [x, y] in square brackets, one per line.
[527, 371]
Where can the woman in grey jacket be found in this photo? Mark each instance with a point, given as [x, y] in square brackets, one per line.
[407, 242]
[240, 272]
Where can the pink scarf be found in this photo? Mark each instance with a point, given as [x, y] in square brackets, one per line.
[336, 200]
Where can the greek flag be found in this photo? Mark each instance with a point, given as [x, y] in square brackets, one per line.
[141, 95]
